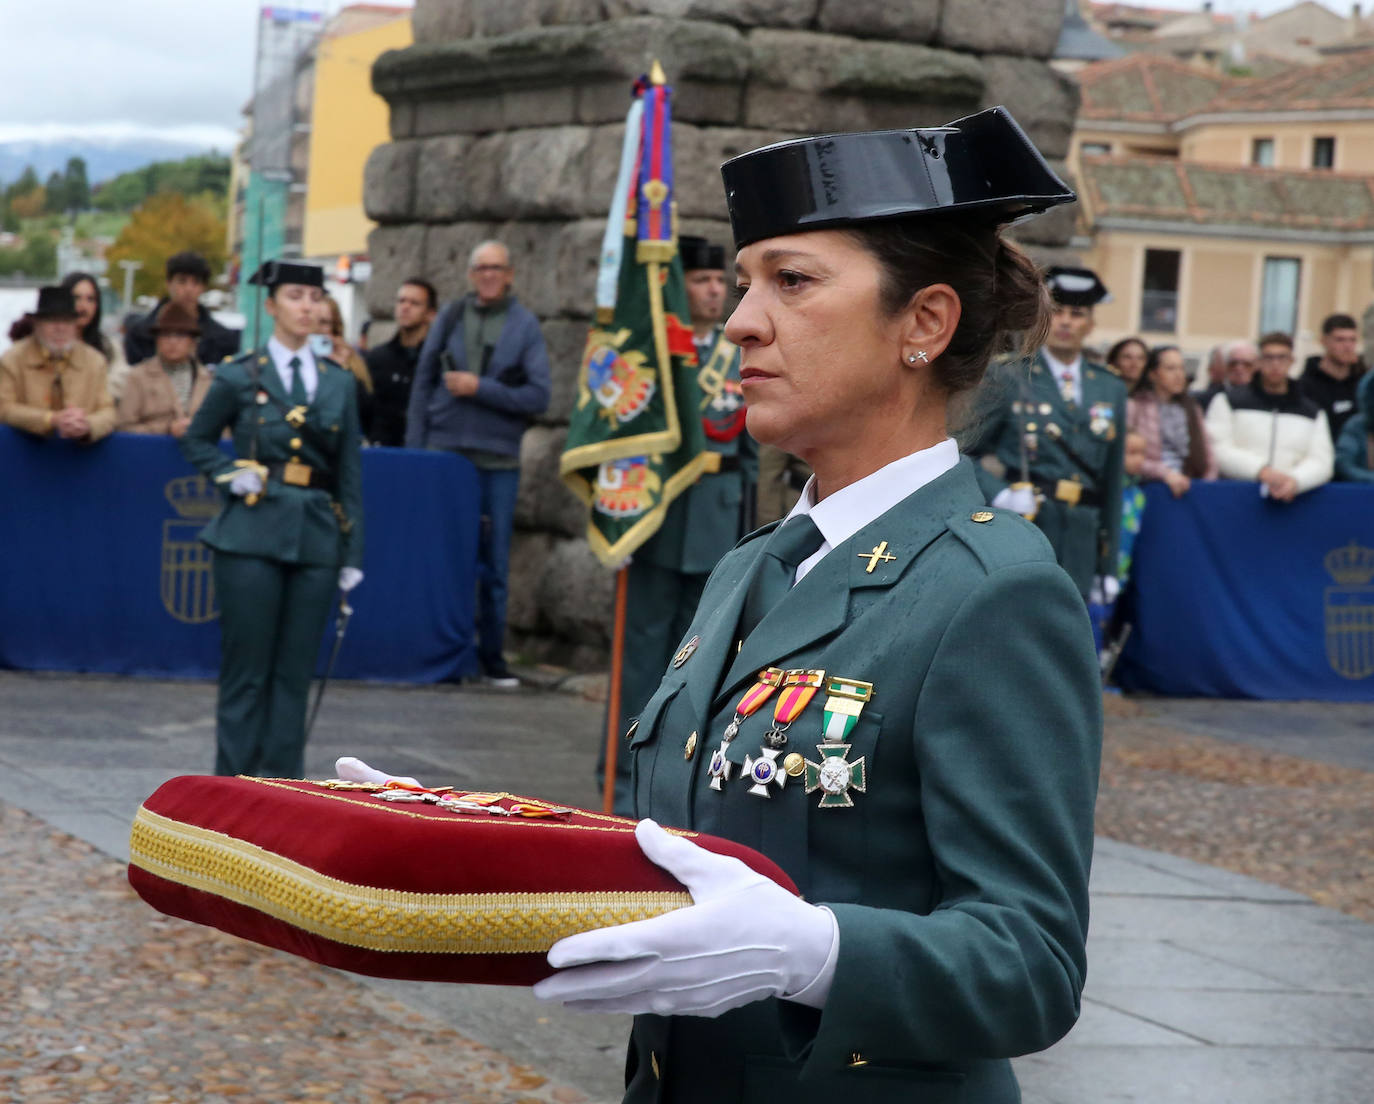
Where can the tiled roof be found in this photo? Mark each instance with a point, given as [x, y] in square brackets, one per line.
[1147, 88]
[1347, 82]
[1179, 191]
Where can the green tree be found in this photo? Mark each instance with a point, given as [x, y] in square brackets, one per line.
[77, 185]
[26, 182]
[55, 193]
[165, 224]
[191, 176]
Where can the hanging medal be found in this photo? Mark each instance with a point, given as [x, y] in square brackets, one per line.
[769, 680]
[834, 775]
[798, 688]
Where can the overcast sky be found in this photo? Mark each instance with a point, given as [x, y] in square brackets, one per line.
[166, 68]
[170, 68]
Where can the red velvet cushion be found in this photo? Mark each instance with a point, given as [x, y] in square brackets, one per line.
[411, 891]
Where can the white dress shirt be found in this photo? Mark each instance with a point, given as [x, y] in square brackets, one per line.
[1060, 369]
[281, 358]
[848, 510]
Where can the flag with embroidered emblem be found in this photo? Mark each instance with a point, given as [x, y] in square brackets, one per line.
[634, 441]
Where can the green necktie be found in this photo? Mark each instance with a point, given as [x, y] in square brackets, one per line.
[298, 395]
[793, 541]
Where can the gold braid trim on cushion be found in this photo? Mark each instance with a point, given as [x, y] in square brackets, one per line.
[372, 918]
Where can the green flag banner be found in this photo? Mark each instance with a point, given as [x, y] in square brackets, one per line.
[630, 450]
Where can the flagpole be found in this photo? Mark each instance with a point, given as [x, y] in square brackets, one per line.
[622, 585]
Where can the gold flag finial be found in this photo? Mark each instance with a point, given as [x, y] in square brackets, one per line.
[656, 73]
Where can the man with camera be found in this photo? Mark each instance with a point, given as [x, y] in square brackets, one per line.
[482, 376]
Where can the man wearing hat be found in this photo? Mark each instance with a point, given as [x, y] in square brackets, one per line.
[669, 571]
[188, 276]
[291, 532]
[52, 383]
[1051, 444]
[163, 391]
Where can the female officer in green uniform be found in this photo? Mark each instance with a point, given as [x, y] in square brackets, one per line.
[292, 528]
[893, 694]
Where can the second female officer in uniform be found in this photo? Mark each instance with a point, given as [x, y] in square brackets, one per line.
[893, 694]
[291, 531]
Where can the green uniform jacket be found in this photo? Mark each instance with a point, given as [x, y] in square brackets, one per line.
[289, 524]
[705, 521]
[960, 877]
[1023, 403]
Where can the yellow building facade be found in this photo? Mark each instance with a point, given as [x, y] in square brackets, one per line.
[1219, 208]
[348, 121]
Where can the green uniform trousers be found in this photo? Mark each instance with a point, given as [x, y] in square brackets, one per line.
[272, 616]
[673, 597]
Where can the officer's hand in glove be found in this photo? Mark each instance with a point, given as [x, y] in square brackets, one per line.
[349, 577]
[1019, 499]
[744, 938]
[352, 769]
[1104, 591]
[246, 482]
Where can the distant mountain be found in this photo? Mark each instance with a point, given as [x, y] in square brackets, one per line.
[104, 158]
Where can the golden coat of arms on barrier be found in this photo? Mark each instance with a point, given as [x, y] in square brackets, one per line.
[1350, 611]
[187, 582]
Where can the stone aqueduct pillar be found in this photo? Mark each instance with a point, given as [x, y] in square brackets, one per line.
[506, 122]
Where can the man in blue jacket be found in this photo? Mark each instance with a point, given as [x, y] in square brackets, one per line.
[483, 374]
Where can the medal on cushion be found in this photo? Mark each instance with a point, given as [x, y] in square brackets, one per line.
[798, 688]
[769, 679]
[834, 775]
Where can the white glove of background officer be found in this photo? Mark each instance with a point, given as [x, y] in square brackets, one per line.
[1104, 591]
[246, 482]
[349, 577]
[745, 938]
[1019, 499]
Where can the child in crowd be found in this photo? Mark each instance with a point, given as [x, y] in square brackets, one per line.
[1107, 627]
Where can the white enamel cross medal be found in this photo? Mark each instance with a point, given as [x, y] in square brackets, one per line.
[764, 771]
[835, 777]
[720, 767]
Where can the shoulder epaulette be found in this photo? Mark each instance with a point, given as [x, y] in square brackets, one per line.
[1000, 538]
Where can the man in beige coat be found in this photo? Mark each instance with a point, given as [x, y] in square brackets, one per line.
[52, 383]
[162, 392]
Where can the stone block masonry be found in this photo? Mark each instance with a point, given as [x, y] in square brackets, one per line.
[506, 122]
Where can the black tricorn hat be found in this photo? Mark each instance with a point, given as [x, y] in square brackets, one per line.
[982, 165]
[55, 302]
[271, 274]
[1076, 287]
[699, 253]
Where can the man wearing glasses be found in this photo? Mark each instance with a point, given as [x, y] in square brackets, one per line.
[1268, 431]
[482, 377]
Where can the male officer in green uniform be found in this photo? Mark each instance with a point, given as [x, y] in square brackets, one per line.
[669, 571]
[291, 530]
[1052, 441]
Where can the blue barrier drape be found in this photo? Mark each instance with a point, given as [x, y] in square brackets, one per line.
[1235, 596]
[100, 568]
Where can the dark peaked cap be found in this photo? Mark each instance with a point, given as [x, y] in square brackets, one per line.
[980, 165]
[699, 253]
[1076, 287]
[275, 273]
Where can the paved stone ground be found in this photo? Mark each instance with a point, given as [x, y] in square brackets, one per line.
[1205, 986]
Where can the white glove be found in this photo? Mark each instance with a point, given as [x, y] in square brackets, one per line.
[1020, 500]
[1104, 590]
[349, 577]
[351, 769]
[744, 938]
[246, 482]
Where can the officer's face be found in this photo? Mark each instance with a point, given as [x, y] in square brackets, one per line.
[821, 361]
[1069, 328]
[705, 294]
[295, 310]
